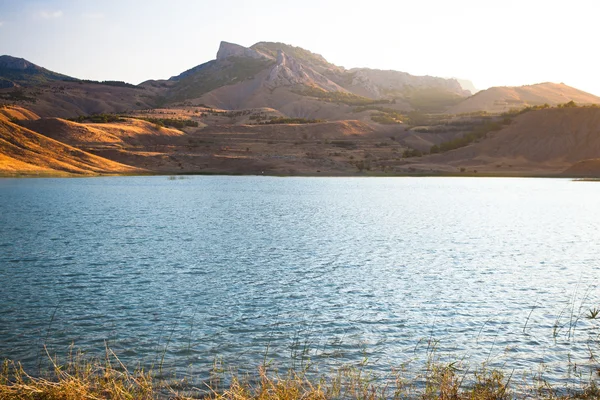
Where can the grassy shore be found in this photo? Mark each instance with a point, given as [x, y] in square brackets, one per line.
[109, 378]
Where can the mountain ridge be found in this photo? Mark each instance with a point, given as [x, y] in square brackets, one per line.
[15, 72]
[291, 79]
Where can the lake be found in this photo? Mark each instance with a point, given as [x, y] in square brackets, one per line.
[387, 272]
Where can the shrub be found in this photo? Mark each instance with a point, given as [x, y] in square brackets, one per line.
[282, 120]
[98, 118]
[412, 153]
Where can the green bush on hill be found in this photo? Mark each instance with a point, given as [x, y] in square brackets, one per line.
[171, 122]
[107, 83]
[98, 118]
[282, 120]
[17, 95]
[386, 119]
[570, 104]
[412, 153]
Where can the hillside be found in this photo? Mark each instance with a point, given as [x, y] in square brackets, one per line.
[584, 169]
[17, 113]
[15, 72]
[23, 151]
[130, 133]
[71, 99]
[537, 142]
[501, 99]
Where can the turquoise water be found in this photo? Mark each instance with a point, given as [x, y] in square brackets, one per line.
[329, 271]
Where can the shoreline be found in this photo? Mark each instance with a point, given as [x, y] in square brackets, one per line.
[315, 175]
[109, 378]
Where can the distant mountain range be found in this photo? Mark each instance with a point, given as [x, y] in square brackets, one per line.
[292, 80]
[278, 109]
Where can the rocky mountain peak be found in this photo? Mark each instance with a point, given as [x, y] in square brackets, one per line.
[227, 50]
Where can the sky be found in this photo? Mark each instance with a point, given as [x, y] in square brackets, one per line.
[490, 42]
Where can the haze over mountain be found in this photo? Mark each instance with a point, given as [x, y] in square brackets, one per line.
[292, 80]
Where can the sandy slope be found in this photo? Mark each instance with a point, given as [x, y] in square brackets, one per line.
[132, 132]
[20, 113]
[24, 151]
[500, 99]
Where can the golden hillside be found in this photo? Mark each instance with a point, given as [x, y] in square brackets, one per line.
[23, 151]
[129, 133]
[501, 99]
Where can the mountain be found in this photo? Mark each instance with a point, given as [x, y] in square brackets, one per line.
[16, 72]
[314, 61]
[501, 99]
[302, 84]
[242, 78]
[292, 80]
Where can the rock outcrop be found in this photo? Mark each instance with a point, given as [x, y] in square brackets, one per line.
[227, 50]
[288, 71]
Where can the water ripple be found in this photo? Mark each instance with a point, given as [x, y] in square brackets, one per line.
[335, 270]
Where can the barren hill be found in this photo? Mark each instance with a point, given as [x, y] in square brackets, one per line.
[70, 99]
[23, 151]
[546, 141]
[500, 99]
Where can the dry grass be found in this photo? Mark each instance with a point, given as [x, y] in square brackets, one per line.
[84, 378]
[80, 378]
[25, 151]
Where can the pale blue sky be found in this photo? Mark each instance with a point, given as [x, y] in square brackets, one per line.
[492, 43]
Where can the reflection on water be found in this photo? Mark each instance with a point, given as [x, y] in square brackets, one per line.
[335, 269]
